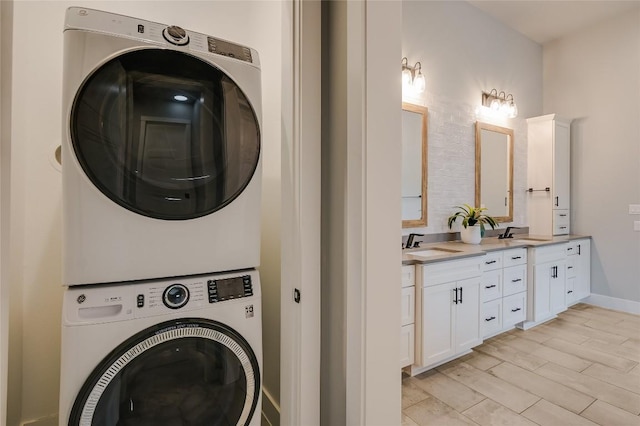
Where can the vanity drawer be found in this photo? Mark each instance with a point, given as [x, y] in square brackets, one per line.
[515, 257]
[560, 222]
[513, 309]
[514, 280]
[407, 307]
[408, 277]
[491, 285]
[491, 317]
[492, 261]
[407, 345]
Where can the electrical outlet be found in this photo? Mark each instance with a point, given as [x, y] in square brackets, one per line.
[636, 225]
[634, 208]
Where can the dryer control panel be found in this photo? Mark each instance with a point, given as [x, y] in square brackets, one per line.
[229, 288]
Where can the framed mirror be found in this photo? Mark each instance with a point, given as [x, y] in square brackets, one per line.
[414, 165]
[494, 170]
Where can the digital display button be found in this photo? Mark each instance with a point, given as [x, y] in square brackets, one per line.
[140, 301]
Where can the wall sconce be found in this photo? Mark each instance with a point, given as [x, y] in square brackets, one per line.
[500, 103]
[412, 76]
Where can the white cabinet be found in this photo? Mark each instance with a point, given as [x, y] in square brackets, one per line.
[548, 176]
[578, 270]
[504, 290]
[448, 320]
[546, 283]
[407, 314]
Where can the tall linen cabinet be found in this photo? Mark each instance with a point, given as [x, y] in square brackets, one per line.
[549, 170]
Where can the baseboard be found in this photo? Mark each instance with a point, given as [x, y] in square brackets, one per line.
[270, 409]
[51, 420]
[608, 302]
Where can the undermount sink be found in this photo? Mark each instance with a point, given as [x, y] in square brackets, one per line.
[436, 251]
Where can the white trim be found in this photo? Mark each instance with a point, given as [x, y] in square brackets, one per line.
[608, 302]
[300, 217]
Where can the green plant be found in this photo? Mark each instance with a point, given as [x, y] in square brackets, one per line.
[472, 216]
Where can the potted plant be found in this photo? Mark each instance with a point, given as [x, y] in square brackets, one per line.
[473, 222]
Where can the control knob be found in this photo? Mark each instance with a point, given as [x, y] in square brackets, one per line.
[175, 35]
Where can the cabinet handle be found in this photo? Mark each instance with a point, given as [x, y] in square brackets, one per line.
[556, 201]
[490, 262]
[554, 272]
[490, 319]
[456, 297]
[516, 280]
[578, 249]
[562, 215]
[563, 227]
[570, 291]
[516, 257]
[460, 294]
[570, 248]
[490, 286]
[516, 310]
[569, 267]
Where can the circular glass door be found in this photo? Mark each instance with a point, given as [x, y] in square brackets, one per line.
[165, 134]
[184, 372]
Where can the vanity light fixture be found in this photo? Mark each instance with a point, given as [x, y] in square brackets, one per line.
[500, 103]
[412, 76]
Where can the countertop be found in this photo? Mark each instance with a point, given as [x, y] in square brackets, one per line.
[457, 250]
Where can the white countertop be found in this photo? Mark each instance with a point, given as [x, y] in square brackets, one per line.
[456, 249]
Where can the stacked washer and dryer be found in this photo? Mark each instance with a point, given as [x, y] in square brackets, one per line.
[161, 212]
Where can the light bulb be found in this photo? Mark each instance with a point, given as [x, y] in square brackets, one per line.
[180, 98]
[419, 83]
[495, 105]
[513, 110]
[505, 109]
[406, 77]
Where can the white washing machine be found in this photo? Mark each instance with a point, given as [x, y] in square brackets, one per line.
[161, 151]
[164, 352]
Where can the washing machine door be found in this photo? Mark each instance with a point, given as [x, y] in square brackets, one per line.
[183, 372]
[165, 134]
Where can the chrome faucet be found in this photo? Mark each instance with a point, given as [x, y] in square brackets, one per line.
[507, 233]
[410, 242]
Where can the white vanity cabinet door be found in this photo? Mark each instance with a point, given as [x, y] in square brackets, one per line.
[408, 277]
[408, 304]
[467, 321]
[542, 291]
[561, 166]
[438, 315]
[407, 344]
[557, 291]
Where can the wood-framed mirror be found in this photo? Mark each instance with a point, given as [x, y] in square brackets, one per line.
[414, 165]
[494, 170]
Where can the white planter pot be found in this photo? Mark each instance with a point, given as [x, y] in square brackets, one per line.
[471, 234]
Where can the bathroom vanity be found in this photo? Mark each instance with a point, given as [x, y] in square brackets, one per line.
[462, 294]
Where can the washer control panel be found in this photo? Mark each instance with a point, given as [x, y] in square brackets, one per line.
[118, 302]
[229, 288]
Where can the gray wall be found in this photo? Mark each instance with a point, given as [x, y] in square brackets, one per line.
[593, 76]
[463, 52]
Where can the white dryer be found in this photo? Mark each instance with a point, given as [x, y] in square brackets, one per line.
[161, 151]
[170, 352]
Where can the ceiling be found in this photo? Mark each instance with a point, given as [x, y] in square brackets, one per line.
[546, 20]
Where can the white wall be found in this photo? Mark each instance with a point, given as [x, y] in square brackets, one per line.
[593, 77]
[463, 52]
[36, 129]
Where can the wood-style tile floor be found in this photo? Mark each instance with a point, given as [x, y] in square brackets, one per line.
[579, 369]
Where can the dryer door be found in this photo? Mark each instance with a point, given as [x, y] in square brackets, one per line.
[165, 134]
[182, 372]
